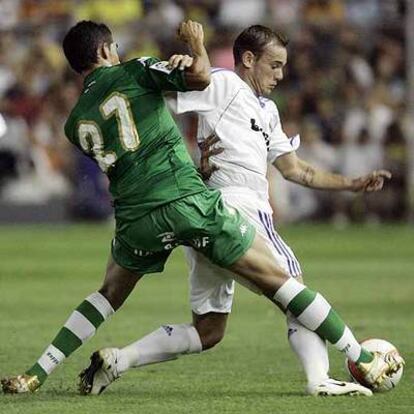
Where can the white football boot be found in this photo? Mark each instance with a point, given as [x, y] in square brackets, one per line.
[380, 367]
[332, 387]
[101, 372]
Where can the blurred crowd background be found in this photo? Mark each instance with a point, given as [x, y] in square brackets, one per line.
[344, 92]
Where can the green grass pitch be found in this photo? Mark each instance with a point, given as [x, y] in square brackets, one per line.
[366, 273]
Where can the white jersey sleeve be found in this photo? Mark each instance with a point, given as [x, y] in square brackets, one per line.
[218, 94]
[279, 143]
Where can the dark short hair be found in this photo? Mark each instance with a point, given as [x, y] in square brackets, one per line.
[82, 42]
[255, 38]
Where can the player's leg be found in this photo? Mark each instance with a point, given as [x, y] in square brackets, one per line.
[164, 344]
[228, 240]
[310, 349]
[312, 352]
[311, 309]
[308, 346]
[80, 327]
[211, 295]
[213, 290]
[170, 341]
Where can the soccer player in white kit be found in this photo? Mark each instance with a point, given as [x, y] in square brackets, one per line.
[251, 137]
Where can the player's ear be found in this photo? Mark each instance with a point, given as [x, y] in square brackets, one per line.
[248, 59]
[104, 52]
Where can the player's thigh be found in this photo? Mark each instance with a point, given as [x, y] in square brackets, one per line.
[227, 239]
[258, 266]
[143, 246]
[263, 223]
[211, 287]
[283, 255]
[218, 232]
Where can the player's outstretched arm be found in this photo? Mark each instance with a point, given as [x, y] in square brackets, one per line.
[298, 171]
[197, 67]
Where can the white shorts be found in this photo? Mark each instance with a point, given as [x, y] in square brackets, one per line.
[211, 287]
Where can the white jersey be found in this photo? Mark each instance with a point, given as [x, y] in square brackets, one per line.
[249, 129]
[251, 134]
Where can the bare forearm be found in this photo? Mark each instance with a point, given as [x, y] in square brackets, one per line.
[313, 177]
[298, 171]
[198, 74]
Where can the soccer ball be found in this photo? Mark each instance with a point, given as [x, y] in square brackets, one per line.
[376, 345]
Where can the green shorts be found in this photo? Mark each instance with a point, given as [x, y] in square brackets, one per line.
[201, 221]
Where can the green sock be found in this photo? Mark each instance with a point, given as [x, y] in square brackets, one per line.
[365, 356]
[316, 314]
[80, 326]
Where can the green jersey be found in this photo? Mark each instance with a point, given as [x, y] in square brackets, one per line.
[122, 122]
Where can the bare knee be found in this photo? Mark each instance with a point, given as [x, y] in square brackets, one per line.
[211, 328]
[114, 295]
[118, 284]
[211, 339]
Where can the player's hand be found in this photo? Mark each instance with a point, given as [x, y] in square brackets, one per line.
[180, 61]
[191, 33]
[371, 182]
[207, 150]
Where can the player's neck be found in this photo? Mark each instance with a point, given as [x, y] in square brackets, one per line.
[246, 77]
[87, 72]
[100, 64]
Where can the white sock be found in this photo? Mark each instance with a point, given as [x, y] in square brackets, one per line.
[310, 349]
[164, 344]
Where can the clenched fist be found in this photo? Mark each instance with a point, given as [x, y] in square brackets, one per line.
[191, 33]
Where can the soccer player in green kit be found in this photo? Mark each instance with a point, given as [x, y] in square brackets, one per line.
[160, 202]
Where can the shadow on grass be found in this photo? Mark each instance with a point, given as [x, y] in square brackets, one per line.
[68, 395]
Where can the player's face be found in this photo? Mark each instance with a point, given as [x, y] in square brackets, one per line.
[267, 71]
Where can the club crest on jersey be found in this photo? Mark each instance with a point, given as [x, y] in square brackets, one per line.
[162, 66]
